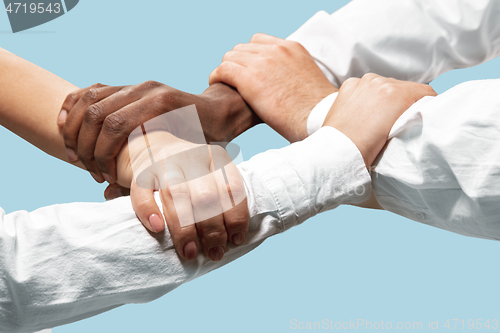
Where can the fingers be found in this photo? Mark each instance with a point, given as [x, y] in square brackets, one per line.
[70, 102]
[229, 73]
[114, 132]
[248, 47]
[207, 212]
[350, 84]
[262, 38]
[114, 191]
[421, 90]
[232, 196]
[239, 57]
[214, 203]
[178, 213]
[76, 114]
[145, 207]
[93, 119]
[198, 203]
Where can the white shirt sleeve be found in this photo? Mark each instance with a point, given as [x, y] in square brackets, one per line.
[414, 40]
[441, 166]
[68, 262]
[318, 114]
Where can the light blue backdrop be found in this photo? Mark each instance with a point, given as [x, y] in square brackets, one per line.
[347, 264]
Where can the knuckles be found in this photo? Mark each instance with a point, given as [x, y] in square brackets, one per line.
[349, 84]
[297, 46]
[227, 55]
[237, 221]
[150, 84]
[222, 69]
[165, 98]
[90, 96]
[370, 77]
[384, 86]
[237, 191]
[212, 234]
[179, 191]
[204, 198]
[238, 46]
[93, 114]
[71, 99]
[255, 38]
[387, 89]
[115, 123]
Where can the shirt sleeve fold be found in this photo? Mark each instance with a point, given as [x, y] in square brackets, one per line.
[64, 263]
[414, 40]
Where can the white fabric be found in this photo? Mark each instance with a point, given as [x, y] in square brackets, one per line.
[67, 262]
[414, 40]
[442, 163]
[119, 262]
[319, 112]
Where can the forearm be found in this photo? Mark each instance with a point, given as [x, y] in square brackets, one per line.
[30, 101]
[230, 112]
[406, 40]
[64, 263]
[119, 262]
[442, 165]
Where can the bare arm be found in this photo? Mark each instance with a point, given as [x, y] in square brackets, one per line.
[30, 100]
[30, 104]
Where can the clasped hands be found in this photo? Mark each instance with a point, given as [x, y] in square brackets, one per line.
[281, 83]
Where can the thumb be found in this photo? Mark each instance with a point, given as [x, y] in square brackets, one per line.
[146, 209]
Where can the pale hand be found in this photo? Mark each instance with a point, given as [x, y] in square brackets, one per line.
[279, 79]
[191, 191]
[366, 109]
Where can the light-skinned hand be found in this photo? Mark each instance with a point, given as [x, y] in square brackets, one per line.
[96, 121]
[191, 191]
[366, 109]
[278, 79]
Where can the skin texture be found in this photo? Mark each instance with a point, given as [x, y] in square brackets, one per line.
[282, 83]
[184, 194]
[30, 107]
[366, 109]
[279, 79]
[30, 98]
[30, 104]
[96, 121]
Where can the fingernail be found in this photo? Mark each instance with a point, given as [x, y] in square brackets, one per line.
[96, 177]
[191, 250]
[108, 178]
[61, 119]
[216, 253]
[156, 222]
[238, 238]
[71, 155]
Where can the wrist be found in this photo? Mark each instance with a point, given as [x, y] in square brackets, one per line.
[225, 114]
[300, 118]
[367, 143]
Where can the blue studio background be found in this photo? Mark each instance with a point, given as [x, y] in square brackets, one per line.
[346, 264]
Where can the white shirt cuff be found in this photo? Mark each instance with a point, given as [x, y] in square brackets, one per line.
[319, 112]
[299, 181]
